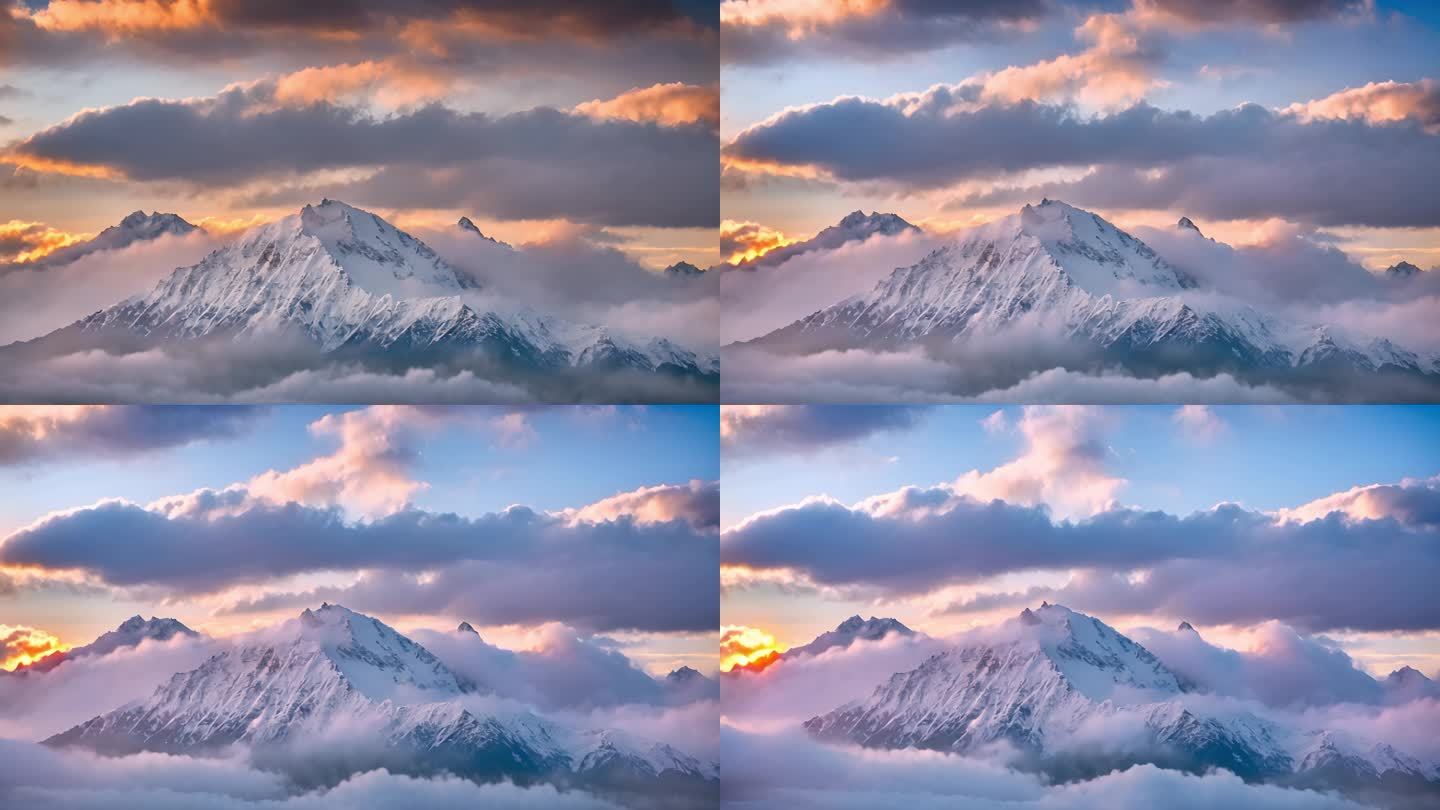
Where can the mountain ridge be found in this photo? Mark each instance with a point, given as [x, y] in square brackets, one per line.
[334, 669]
[1107, 296]
[352, 288]
[1040, 680]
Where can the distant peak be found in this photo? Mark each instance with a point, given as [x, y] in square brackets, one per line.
[466, 628]
[1027, 616]
[876, 221]
[852, 623]
[683, 674]
[683, 268]
[1184, 626]
[1402, 269]
[1186, 224]
[466, 225]
[133, 623]
[1406, 673]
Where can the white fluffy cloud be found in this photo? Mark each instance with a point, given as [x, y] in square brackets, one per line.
[38, 705]
[38, 301]
[759, 300]
[36, 776]
[792, 690]
[789, 770]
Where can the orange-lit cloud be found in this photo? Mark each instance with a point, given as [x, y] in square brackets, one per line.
[743, 241]
[670, 104]
[39, 422]
[44, 165]
[218, 226]
[390, 83]
[1116, 68]
[369, 472]
[797, 16]
[697, 502]
[21, 646]
[1379, 103]
[1369, 502]
[747, 647]
[119, 17]
[22, 241]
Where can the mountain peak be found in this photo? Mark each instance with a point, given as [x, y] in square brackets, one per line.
[872, 223]
[375, 659]
[1402, 269]
[465, 627]
[1186, 224]
[683, 674]
[1407, 673]
[133, 623]
[683, 268]
[1184, 626]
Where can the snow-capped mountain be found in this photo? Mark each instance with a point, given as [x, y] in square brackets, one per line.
[136, 227]
[1042, 680]
[856, 226]
[687, 685]
[1402, 270]
[848, 632]
[1070, 273]
[357, 288]
[130, 633]
[336, 672]
[682, 269]
[1408, 683]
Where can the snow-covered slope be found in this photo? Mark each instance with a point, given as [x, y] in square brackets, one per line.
[336, 672]
[1042, 680]
[1072, 275]
[856, 226]
[130, 633]
[350, 282]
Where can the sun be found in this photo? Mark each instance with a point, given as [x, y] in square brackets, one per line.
[22, 646]
[747, 648]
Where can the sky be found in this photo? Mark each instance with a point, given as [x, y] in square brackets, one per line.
[531, 523]
[1237, 519]
[536, 120]
[1238, 115]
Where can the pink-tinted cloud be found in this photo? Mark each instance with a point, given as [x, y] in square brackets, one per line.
[669, 104]
[697, 503]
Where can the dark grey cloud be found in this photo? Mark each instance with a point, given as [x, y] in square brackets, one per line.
[341, 28]
[517, 566]
[1227, 565]
[1243, 162]
[903, 27]
[1255, 11]
[541, 163]
[790, 428]
[41, 433]
[509, 17]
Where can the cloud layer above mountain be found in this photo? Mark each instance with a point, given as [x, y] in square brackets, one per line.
[38, 433]
[1225, 565]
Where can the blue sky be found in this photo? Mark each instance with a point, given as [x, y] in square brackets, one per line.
[1266, 458]
[1193, 67]
[471, 472]
[472, 462]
